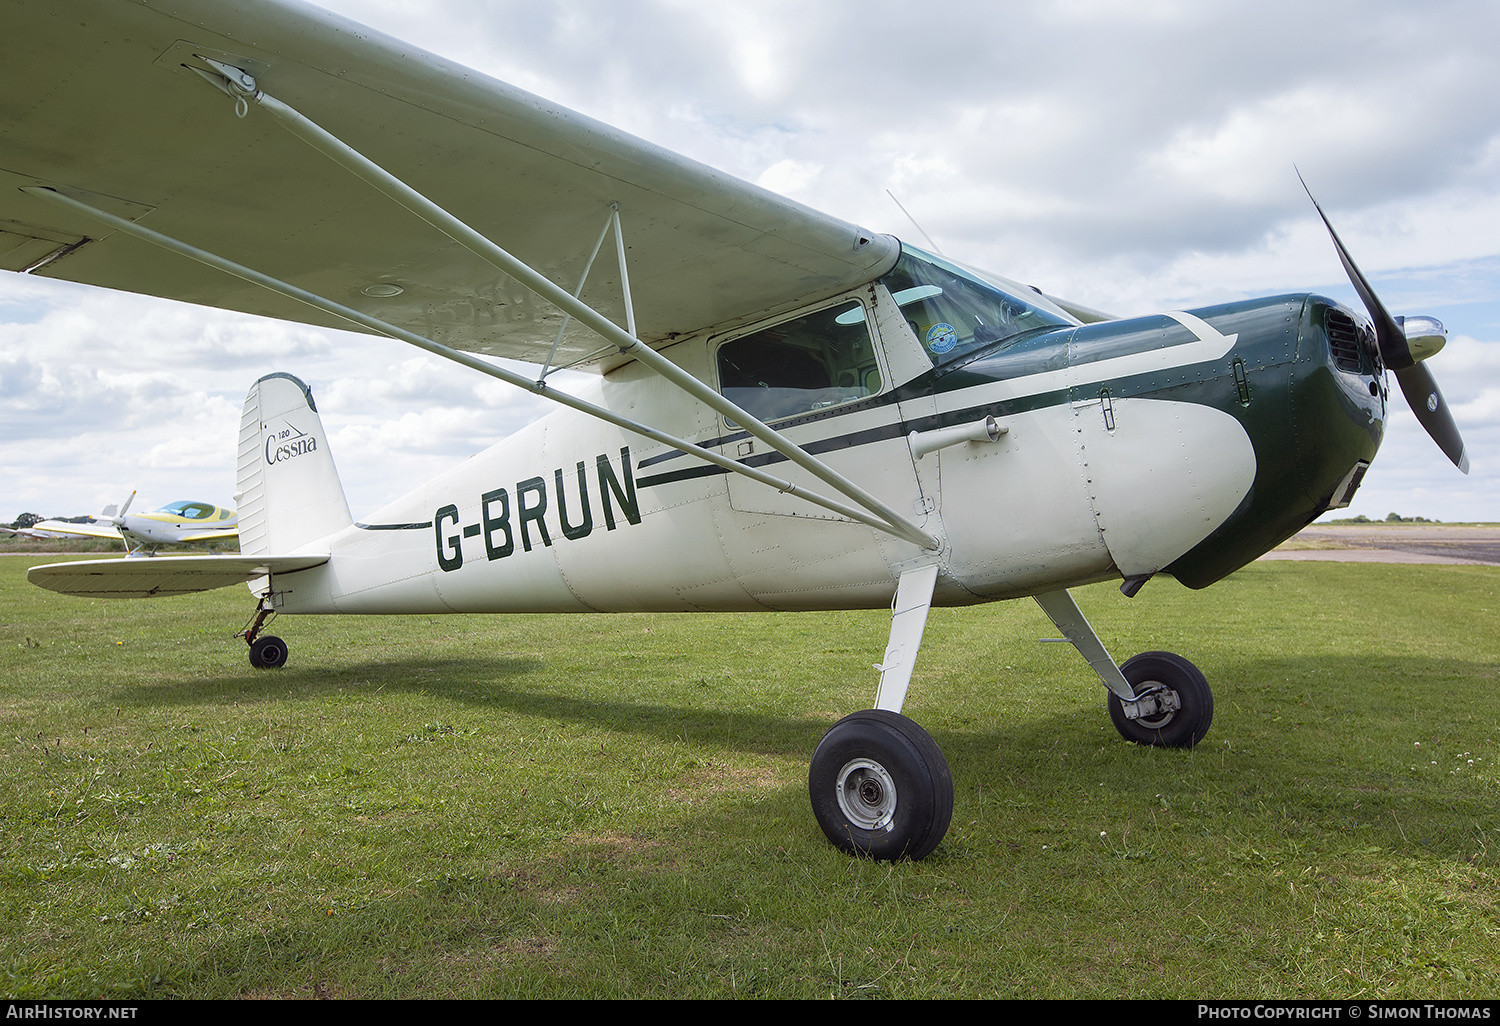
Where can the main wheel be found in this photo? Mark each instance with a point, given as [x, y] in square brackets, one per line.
[880, 786]
[1182, 727]
[267, 652]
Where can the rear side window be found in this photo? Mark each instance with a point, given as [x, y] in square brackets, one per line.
[809, 363]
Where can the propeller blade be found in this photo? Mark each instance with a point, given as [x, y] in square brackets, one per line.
[1416, 381]
[124, 507]
[1426, 401]
[1388, 334]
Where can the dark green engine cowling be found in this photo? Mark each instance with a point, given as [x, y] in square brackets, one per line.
[1309, 390]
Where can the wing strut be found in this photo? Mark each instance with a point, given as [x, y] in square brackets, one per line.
[393, 188]
[613, 221]
[242, 86]
[900, 528]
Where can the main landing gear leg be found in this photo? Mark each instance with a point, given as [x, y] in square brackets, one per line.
[878, 782]
[1156, 698]
[267, 651]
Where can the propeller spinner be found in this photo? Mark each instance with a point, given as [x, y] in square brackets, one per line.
[1404, 342]
[118, 519]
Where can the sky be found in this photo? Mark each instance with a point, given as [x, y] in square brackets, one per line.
[1132, 156]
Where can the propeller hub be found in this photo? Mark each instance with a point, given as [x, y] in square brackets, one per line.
[1425, 336]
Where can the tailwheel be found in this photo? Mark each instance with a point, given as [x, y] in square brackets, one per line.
[880, 786]
[1178, 706]
[267, 652]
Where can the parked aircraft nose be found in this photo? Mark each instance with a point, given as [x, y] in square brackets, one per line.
[1309, 389]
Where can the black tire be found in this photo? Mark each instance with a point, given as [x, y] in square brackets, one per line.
[1181, 728]
[267, 652]
[880, 786]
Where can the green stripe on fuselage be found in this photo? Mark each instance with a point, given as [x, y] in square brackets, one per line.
[1309, 421]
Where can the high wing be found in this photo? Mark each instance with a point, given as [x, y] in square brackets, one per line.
[99, 101]
[147, 577]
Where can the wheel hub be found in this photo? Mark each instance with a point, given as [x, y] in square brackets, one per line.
[866, 794]
[1155, 705]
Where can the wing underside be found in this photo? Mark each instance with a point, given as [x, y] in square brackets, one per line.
[98, 101]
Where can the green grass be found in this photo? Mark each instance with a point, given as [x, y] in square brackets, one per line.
[609, 806]
[14, 544]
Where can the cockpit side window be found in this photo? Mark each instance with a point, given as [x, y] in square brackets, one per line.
[952, 311]
[808, 363]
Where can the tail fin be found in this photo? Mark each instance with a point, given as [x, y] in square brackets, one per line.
[288, 488]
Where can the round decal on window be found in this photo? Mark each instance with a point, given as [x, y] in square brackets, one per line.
[941, 337]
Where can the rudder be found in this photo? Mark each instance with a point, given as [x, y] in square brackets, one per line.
[288, 490]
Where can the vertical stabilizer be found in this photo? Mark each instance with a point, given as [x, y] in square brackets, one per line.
[288, 488]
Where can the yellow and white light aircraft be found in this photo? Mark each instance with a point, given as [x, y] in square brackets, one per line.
[788, 411]
[177, 522]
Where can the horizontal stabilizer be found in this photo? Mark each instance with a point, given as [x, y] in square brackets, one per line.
[140, 577]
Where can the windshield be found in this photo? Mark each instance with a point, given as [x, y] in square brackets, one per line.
[189, 510]
[953, 312]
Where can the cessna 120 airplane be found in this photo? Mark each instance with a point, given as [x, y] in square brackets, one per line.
[176, 522]
[788, 412]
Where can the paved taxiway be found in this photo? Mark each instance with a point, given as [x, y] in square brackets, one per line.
[1404, 543]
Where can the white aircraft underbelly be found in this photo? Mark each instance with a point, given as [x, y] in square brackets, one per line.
[1061, 496]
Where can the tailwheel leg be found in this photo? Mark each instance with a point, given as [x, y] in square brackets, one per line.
[878, 782]
[267, 652]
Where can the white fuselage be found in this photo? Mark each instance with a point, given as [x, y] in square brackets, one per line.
[573, 514]
[156, 529]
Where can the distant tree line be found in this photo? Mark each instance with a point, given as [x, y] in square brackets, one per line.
[1390, 518]
[32, 519]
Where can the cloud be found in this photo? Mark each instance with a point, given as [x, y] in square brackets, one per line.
[789, 177]
[1481, 411]
[1132, 156]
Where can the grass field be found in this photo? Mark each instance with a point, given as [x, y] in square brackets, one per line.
[610, 806]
